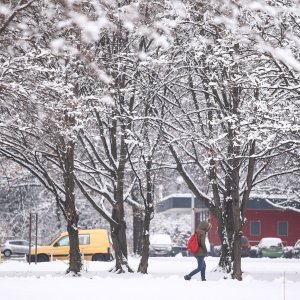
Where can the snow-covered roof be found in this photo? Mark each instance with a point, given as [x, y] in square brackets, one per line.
[180, 203]
[273, 202]
[177, 195]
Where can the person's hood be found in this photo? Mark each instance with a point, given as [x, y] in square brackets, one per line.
[204, 225]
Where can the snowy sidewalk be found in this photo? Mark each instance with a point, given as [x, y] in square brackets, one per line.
[272, 278]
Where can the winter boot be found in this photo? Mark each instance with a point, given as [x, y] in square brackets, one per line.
[187, 277]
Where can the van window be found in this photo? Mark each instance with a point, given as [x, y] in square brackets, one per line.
[64, 241]
[84, 239]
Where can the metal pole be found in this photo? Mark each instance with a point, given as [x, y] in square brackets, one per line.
[29, 254]
[36, 235]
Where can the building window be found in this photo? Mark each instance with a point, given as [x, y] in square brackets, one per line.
[282, 228]
[204, 216]
[255, 227]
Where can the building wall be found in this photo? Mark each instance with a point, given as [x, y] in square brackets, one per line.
[213, 235]
[199, 217]
[268, 226]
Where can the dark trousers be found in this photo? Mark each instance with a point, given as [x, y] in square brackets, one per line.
[201, 267]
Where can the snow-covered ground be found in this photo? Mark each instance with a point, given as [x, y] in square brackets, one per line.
[276, 279]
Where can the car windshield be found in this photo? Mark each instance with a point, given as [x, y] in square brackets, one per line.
[161, 239]
[52, 241]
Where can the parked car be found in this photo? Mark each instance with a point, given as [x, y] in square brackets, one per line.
[14, 247]
[217, 249]
[253, 251]
[270, 247]
[94, 244]
[288, 251]
[179, 250]
[160, 245]
[296, 249]
[245, 247]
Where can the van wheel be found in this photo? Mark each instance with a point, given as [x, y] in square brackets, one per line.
[42, 258]
[98, 257]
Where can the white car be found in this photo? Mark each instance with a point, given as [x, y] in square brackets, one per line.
[160, 245]
[14, 247]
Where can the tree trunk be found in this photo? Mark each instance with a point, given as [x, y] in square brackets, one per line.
[234, 162]
[75, 263]
[225, 258]
[138, 224]
[237, 270]
[143, 266]
[149, 210]
[71, 213]
[225, 262]
[118, 235]
[237, 266]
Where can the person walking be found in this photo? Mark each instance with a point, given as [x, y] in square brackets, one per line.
[201, 231]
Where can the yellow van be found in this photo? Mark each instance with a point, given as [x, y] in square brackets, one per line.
[94, 245]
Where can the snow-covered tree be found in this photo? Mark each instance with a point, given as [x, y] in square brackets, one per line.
[128, 54]
[41, 90]
[226, 123]
[88, 87]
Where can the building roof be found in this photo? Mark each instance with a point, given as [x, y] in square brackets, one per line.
[260, 204]
[274, 202]
[180, 203]
[184, 203]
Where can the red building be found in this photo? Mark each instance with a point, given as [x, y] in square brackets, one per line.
[266, 219]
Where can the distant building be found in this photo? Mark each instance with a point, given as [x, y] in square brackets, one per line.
[265, 217]
[184, 203]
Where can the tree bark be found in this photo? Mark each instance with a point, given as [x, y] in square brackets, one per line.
[149, 210]
[138, 221]
[75, 263]
[237, 269]
[138, 225]
[118, 235]
[119, 232]
[234, 163]
[143, 265]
